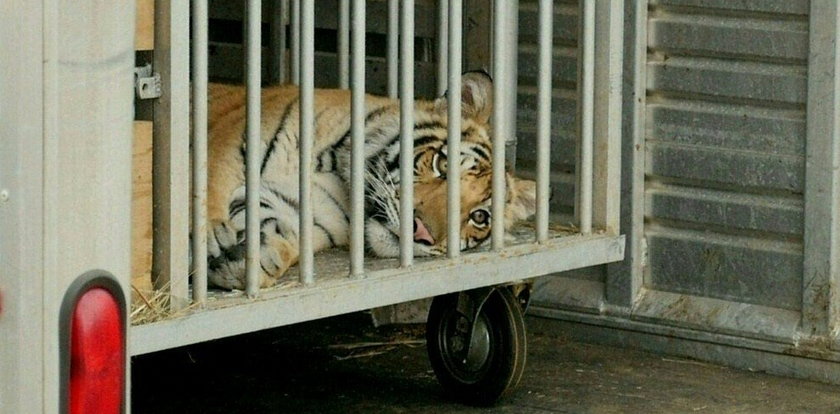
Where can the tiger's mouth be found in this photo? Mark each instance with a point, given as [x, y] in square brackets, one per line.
[383, 239]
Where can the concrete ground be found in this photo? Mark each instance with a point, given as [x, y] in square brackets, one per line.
[343, 365]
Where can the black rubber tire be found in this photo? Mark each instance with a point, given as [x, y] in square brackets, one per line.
[499, 373]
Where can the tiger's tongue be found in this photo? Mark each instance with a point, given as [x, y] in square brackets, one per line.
[421, 233]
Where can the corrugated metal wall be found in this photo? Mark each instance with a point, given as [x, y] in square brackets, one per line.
[725, 140]
[715, 195]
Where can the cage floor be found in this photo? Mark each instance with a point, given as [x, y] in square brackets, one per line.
[227, 313]
[330, 266]
[334, 264]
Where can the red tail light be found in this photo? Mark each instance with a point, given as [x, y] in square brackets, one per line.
[94, 374]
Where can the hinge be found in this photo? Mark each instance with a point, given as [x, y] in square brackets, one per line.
[146, 82]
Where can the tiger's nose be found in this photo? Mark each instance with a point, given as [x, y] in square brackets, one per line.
[422, 234]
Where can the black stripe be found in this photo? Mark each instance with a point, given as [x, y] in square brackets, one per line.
[341, 141]
[266, 221]
[427, 139]
[372, 209]
[214, 263]
[333, 160]
[479, 150]
[238, 205]
[429, 125]
[235, 253]
[390, 143]
[369, 117]
[221, 246]
[393, 164]
[334, 201]
[242, 153]
[277, 228]
[326, 161]
[292, 203]
[281, 126]
[417, 158]
[217, 241]
[481, 240]
[329, 236]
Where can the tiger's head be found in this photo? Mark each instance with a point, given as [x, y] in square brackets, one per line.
[430, 173]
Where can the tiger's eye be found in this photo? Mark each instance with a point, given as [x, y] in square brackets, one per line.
[480, 217]
[440, 164]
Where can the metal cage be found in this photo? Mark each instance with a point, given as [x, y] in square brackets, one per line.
[337, 282]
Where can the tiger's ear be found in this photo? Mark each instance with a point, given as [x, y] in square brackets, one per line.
[521, 199]
[476, 97]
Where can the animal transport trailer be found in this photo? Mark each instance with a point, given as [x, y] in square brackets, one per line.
[67, 105]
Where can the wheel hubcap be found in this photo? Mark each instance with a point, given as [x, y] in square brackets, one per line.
[470, 359]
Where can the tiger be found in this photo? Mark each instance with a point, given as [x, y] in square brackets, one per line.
[279, 182]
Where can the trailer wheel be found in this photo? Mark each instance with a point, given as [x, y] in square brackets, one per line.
[491, 367]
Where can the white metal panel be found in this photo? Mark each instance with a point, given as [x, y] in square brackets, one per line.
[22, 280]
[87, 157]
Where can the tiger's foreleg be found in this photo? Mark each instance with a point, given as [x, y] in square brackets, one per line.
[227, 246]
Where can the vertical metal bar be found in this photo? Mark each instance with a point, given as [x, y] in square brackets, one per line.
[357, 131]
[307, 133]
[453, 173]
[393, 47]
[283, 73]
[509, 84]
[278, 61]
[624, 280]
[443, 41]
[821, 266]
[407, 133]
[587, 115]
[171, 151]
[607, 103]
[504, 73]
[294, 51]
[344, 44]
[544, 117]
[199, 150]
[252, 166]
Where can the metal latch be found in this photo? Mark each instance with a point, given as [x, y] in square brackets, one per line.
[146, 82]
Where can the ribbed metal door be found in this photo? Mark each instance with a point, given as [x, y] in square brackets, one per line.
[729, 185]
